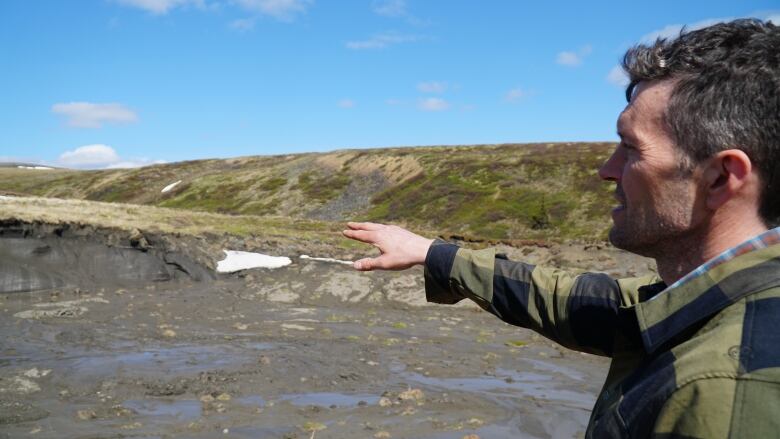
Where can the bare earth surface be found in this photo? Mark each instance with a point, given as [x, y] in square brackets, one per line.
[309, 350]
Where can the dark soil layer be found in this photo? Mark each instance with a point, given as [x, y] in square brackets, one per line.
[39, 257]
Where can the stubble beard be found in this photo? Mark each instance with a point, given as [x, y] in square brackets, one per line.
[655, 233]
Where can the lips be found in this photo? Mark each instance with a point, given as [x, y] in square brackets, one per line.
[620, 197]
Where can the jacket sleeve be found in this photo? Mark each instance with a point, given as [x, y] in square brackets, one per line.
[579, 312]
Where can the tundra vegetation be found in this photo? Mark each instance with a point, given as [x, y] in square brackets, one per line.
[501, 192]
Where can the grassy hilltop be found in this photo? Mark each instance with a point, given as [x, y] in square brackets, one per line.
[494, 192]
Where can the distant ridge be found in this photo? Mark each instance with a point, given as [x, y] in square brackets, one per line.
[506, 191]
[25, 165]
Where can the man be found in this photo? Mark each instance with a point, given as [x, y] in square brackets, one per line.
[696, 171]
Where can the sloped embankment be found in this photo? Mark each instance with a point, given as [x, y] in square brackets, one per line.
[548, 191]
[37, 256]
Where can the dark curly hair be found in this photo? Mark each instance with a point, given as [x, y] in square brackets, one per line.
[726, 95]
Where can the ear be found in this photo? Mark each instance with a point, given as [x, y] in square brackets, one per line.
[727, 175]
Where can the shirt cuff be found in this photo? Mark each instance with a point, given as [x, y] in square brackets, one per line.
[438, 266]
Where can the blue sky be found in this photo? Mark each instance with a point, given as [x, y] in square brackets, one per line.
[107, 83]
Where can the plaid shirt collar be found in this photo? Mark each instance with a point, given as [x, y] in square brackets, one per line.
[748, 268]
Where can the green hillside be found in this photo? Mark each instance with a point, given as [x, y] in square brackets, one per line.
[498, 192]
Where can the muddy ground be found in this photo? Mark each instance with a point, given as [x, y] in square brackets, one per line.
[310, 350]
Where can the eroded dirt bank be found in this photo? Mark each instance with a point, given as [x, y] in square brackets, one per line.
[38, 256]
[312, 349]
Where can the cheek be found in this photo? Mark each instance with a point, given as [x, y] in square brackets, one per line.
[635, 182]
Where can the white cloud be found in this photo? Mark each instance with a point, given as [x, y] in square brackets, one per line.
[90, 115]
[243, 24]
[389, 8]
[573, 59]
[433, 104]
[516, 95]
[346, 103]
[618, 77]
[90, 156]
[380, 41]
[284, 10]
[100, 156]
[160, 7]
[568, 59]
[432, 87]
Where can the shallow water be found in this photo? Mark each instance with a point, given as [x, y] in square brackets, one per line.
[511, 384]
[180, 409]
[328, 399]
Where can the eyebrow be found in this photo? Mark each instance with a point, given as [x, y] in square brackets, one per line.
[623, 134]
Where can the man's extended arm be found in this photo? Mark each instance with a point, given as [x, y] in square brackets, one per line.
[579, 312]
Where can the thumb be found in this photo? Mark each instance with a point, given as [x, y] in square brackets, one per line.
[366, 264]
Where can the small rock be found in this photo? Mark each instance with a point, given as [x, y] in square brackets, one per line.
[241, 326]
[408, 411]
[314, 426]
[411, 395]
[471, 436]
[132, 426]
[385, 402]
[138, 240]
[475, 422]
[296, 327]
[169, 333]
[35, 373]
[207, 398]
[86, 415]
[223, 397]
[382, 435]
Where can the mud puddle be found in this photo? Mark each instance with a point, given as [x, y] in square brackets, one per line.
[278, 355]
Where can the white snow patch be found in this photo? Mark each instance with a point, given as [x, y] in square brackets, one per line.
[335, 261]
[170, 186]
[237, 260]
[34, 167]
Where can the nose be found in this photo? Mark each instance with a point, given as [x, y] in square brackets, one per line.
[612, 169]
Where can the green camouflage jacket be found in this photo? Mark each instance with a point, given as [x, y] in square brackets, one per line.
[699, 360]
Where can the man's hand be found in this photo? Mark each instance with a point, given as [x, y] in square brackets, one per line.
[401, 249]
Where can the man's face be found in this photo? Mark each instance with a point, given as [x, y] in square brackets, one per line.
[657, 198]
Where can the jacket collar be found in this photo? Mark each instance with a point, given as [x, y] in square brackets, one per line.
[675, 309]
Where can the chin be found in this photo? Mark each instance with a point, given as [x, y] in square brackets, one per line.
[630, 242]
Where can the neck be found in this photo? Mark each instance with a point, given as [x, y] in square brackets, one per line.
[694, 249]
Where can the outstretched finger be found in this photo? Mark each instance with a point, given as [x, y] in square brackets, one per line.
[366, 236]
[364, 226]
